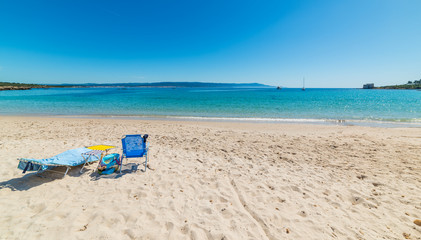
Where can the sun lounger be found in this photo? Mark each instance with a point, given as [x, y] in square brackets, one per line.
[68, 159]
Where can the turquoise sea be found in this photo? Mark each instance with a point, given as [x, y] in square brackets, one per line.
[350, 106]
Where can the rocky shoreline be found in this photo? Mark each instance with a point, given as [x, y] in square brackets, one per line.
[2, 88]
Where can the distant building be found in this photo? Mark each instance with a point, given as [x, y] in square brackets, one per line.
[368, 86]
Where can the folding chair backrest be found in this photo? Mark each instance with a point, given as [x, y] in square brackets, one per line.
[133, 146]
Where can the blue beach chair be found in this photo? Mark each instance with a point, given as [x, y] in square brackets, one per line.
[135, 146]
[68, 159]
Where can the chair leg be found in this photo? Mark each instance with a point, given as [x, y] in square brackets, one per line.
[66, 171]
[121, 162]
[146, 162]
[81, 169]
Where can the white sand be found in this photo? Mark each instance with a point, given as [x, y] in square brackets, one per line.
[215, 181]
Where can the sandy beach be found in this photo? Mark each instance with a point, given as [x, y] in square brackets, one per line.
[214, 180]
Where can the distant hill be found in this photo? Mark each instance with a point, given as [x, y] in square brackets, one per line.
[410, 85]
[167, 84]
[24, 86]
[19, 86]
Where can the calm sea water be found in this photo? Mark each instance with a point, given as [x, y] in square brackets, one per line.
[351, 105]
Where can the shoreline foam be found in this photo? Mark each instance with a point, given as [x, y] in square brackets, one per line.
[410, 123]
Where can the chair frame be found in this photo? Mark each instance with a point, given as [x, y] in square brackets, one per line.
[123, 155]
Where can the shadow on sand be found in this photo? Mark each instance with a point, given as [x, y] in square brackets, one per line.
[35, 179]
[127, 169]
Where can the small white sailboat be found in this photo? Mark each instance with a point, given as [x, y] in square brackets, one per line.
[304, 88]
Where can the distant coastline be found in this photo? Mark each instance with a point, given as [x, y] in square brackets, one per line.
[19, 86]
[23, 86]
[410, 85]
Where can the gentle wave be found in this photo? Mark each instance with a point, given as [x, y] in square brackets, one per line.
[399, 122]
[248, 119]
[345, 122]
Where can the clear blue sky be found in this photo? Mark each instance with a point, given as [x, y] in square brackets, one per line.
[330, 43]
